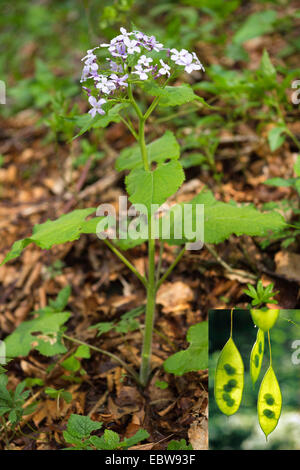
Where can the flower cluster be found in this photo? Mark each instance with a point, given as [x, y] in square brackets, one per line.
[119, 73]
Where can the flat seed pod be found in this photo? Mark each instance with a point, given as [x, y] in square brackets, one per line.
[265, 319]
[257, 355]
[269, 402]
[229, 379]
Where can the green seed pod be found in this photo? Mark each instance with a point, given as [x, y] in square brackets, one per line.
[265, 319]
[269, 402]
[257, 355]
[229, 378]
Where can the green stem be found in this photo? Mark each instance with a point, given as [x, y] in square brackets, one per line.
[151, 284]
[170, 269]
[142, 144]
[129, 126]
[150, 313]
[158, 269]
[115, 250]
[107, 353]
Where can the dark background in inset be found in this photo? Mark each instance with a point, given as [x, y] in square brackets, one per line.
[242, 430]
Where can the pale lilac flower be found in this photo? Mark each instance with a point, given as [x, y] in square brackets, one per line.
[178, 56]
[198, 61]
[145, 61]
[189, 64]
[186, 59]
[119, 81]
[96, 106]
[118, 50]
[89, 71]
[156, 46]
[165, 69]
[131, 45]
[114, 67]
[105, 85]
[140, 36]
[90, 56]
[141, 72]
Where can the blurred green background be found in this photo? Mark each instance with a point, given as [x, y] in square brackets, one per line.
[241, 431]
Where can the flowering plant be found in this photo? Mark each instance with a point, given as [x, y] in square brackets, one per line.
[135, 60]
[133, 57]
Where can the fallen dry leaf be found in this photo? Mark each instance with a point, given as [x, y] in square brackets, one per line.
[288, 265]
[175, 297]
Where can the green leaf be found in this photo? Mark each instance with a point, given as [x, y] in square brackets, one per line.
[162, 149]
[281, 182]
[87, 122]
[161, 384]
[255, 25]
[111, 438]
[266, 68]
[83, 351]
[172, 95]
[297, 166]
[194, 358]
[82, 426]
[61, 301]
[224, 219]
[139, 436]
[42, 334]
[154, 187]
[179, 445]
[53, 232]
[275, 137]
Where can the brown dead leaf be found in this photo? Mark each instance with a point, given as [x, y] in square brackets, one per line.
[288, 265]
[198, 434]
[175, 297]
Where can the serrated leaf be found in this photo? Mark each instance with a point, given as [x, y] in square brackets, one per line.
[82, 426]
[162, 149]
[111, 438]
[53, 232]
[224, 219]
[47, 339]
[154, 187]
[195, 357]
[172, 95]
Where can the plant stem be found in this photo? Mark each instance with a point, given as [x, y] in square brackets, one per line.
[158, 269]
[107, 353]
[129, 126]
[151, 284]
[115, 250]
[170, 269]
[150, 313]
[142, 144]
